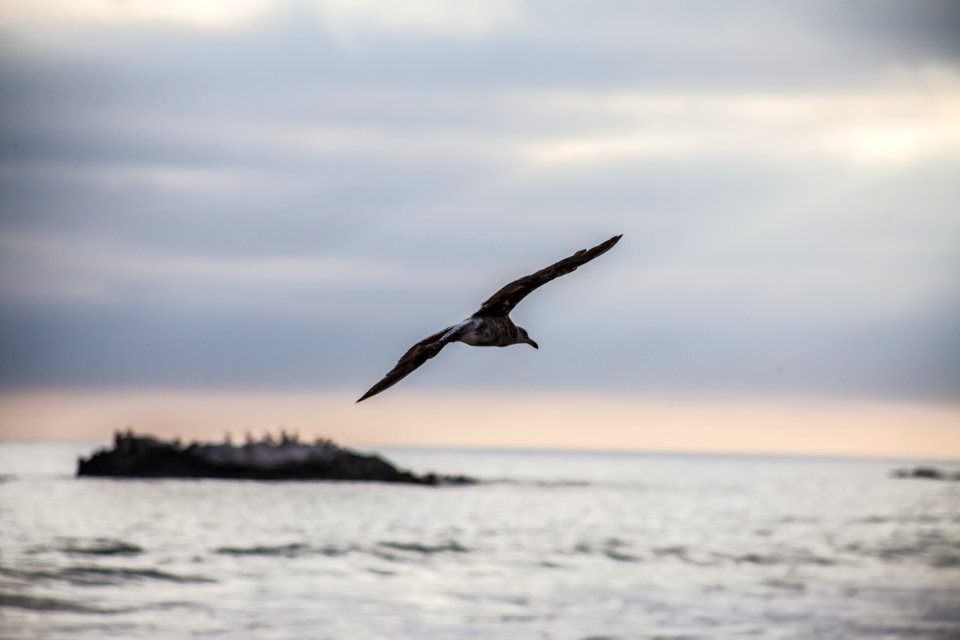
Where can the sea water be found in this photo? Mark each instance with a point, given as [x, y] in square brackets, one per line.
[548, 545]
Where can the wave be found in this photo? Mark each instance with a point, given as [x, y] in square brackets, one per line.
[426, 549]
[119, 575]
[901, 519]
[282, 550]
[104, 547]
[621, 551]
[101, 576]
[291, 550]
[934, 549]
[33, 603]
[945, 560]
[44, 603]
[786, 584]
[619, 556]
[687, 556]
[612, 548]
[792, 559]
[936, 553]
[389, 550]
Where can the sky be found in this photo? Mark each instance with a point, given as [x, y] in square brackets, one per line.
[236, 215]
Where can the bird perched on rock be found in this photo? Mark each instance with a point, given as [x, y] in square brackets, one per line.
[491, 325]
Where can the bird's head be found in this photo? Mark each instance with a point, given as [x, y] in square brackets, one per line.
[523, 337]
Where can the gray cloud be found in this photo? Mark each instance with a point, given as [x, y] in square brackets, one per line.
[290, 202]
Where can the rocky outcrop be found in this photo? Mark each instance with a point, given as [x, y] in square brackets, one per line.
[927, 473]
[136, 456]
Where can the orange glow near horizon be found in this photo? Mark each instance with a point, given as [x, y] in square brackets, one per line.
[500, 420]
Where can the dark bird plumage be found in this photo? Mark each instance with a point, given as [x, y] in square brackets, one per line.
[490, 325]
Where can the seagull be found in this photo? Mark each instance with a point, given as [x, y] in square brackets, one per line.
[491, 325]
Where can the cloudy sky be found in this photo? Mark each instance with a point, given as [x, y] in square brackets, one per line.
[209, 201]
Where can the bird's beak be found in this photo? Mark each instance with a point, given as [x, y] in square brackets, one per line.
[532, 343]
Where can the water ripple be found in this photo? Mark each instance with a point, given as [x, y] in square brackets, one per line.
[282, 550]
[104, 547]
[100, 576]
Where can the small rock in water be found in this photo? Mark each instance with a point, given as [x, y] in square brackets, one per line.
[929, 473]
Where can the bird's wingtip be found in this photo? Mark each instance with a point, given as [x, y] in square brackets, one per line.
[609, 244]
[369, 394]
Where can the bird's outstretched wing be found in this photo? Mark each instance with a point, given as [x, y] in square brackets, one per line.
[413, 358]
[503, 301]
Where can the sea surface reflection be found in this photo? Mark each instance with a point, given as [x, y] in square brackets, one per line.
[549, 545]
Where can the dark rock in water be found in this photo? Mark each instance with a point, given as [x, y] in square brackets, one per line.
[135, 456]
[928, 473]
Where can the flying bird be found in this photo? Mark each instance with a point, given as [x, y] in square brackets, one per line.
[491, 325]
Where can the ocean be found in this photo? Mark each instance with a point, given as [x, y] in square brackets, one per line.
[553, 545]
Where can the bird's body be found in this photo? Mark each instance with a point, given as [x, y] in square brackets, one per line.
[486, 332]
[491, 325]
